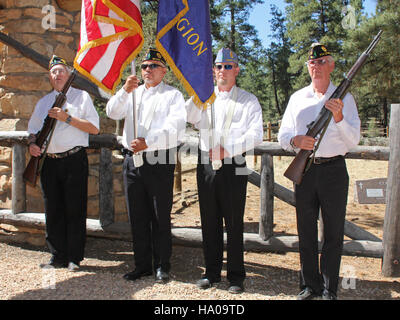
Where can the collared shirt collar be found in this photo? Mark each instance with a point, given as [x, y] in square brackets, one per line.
[224, 94]
[311, 93]
[153, 89]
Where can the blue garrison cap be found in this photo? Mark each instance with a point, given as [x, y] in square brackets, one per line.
[226, 55]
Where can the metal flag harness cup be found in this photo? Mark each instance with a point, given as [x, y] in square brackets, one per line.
[138, 156]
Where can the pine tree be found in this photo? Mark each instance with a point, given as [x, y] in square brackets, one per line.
[316, 21]
[233, 29]
[379, 81]
[278, 61]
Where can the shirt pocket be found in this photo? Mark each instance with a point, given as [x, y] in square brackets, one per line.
[238, 118]
[73, 111]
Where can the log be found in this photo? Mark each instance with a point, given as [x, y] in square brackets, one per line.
[266, 224]
[280, 191]
[359, 152]
[112, 141]
[79, 82]
[106, 194]
[178, 176]
[18, 184]
[192, 237]
[9, 138]
[252, 242]
[391, 227]
[350, 229]
[354, 232]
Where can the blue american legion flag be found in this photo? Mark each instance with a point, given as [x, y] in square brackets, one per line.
[184, 40]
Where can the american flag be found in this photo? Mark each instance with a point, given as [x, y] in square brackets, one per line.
[111, 37]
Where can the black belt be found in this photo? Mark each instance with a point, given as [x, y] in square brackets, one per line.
[127, 152]
[64, 154]
[325, 160]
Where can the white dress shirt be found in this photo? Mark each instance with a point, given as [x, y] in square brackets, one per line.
[65, 137]
[168, 121]
[303, 108]
[246, 130]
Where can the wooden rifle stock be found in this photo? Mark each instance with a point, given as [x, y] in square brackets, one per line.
[32, 170]
[296, 169]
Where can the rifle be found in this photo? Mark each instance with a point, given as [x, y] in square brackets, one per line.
[296, 169]
[43, 137]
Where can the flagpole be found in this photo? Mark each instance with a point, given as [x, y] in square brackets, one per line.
[137, 156]
[216, 164]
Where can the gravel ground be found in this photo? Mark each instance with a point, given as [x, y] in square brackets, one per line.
[270, 276]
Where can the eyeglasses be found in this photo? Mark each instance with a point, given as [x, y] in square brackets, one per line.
[152, 66]
[316, 62]
[226, 66]
[58, 71]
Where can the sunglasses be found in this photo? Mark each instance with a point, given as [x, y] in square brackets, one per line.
[151, 66]
[316, 62]
[226, 66]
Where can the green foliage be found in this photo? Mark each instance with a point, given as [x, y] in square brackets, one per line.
[274, 73]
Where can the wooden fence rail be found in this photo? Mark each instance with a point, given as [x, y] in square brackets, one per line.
[362, 243]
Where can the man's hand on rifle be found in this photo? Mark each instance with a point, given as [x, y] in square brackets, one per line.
[335, 106]
[34, 150]
[138, 145]
[132, 82]
[304, 142]
[58, 113]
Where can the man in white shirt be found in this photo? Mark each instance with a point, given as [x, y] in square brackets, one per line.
[161, 123]
[222, 192]
[64, 175]
[325, 184]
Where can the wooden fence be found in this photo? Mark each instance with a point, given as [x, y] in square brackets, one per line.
[362, 244]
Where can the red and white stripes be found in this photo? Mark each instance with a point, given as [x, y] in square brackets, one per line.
[111, 37]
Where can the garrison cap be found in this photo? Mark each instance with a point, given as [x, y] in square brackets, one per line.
[318, 50]
[226, 55]
[57, 60]
[155, 55]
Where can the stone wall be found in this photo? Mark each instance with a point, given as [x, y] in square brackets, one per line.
[23, 83]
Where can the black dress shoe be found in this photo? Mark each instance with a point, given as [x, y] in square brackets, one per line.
[161, 276]
[136, 274]
[205, 283]
[327, 295]
[236, 287]
[54, 262]
[307, 294]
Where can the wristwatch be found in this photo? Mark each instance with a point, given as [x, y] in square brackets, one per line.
[68, 120]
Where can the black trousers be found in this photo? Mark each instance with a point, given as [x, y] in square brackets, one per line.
[64, 184]
[222, 196]
[325, 187]
[149, 196]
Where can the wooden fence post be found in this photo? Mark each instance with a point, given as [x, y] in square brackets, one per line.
[266, 197]
[391, 227]
[178, 176]
[18, 185]
[106, 189]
